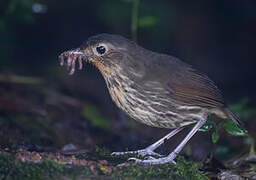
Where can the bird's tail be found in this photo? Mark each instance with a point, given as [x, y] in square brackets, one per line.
[233, 116]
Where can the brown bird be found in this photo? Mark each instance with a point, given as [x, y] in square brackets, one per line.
[155, 89]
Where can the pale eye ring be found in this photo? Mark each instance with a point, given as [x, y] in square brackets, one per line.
[101, 49]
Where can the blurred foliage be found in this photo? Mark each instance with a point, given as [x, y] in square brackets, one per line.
[147, 21]
[245, 112]
[207, 126]
[20, 79]
[215, 137]
[14, 11]
[243, 109]
[97, 119]
[135, 16]
[20, 10]
[39, 130]
[232, 129]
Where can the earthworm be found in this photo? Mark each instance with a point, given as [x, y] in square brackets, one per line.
[69, 59]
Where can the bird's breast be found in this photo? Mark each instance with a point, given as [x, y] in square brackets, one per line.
[153, 107]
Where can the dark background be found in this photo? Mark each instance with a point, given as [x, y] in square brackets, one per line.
[54, 109]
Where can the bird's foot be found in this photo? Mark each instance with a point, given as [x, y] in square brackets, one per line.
[153, 161]
[142, 153]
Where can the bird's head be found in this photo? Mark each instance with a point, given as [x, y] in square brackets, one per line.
[106, 51]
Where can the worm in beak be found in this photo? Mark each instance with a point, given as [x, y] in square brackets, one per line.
[69, 58]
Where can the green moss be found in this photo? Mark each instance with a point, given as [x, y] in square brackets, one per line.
[182, 170]
[12, 170]
[6, 164]
[35, 171]
[188, 169]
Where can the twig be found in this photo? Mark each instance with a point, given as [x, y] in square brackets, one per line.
[20, 79]
[134, 25]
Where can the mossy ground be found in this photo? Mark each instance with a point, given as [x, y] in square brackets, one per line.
[13, 168]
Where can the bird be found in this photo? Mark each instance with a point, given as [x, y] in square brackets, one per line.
[156, 89]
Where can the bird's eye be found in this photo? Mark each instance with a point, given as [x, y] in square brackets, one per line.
[101, 49]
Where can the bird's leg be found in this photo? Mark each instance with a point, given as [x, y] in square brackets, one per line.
[170, 158]
[150, 149]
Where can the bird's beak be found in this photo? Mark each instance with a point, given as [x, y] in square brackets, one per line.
[69, 58]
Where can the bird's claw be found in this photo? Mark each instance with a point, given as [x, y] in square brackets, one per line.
[142, 153]
[147, 152]
[152, 160]
[136, 160]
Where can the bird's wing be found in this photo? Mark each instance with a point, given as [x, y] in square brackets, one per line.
[190, 87]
